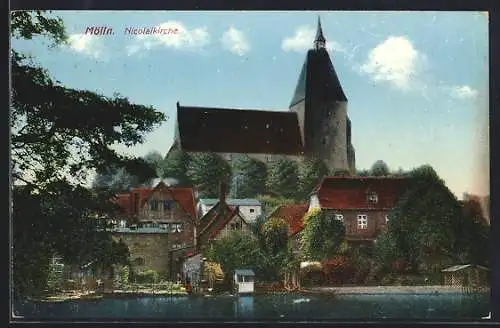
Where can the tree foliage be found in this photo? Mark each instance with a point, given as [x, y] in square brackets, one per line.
[311, 171]
[251, 177]
[275, 232]
[175, 165]
[58, 133]
[379, 168]
[283, 179]
[428, 229]
[237, 250]
[206, 171]
[322, 236]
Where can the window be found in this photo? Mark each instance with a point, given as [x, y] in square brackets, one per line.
[123, 224]
[252, 210]
[167, 205]
[153, 205]
[163, 226]
[248, 278]
[339, 217]
[269, 158]
[386, 219]
[176, 227]
[240, 278]
[362, 221]
[372, 198]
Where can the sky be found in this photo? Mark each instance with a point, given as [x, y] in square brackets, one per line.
[416, 82]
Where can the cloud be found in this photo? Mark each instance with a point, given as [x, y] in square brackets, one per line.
[463, 92]
[171, 34]
[394, 61]
[235, 41]
[303, 40]
[89, 45]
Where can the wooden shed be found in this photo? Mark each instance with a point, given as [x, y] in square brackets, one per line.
[244, 280]
[466, 275]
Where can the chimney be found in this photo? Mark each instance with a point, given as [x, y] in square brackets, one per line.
[223, 191]
[136, 203]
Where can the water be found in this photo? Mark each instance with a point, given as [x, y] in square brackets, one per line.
[274, 307]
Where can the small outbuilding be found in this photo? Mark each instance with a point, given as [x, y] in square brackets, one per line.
[244, 281]
[466, 275]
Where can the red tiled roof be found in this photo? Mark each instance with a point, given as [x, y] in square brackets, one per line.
[293, 215]
[352, 192]
[224, 222]
[203, 129]
[124, 201]
[184, 196]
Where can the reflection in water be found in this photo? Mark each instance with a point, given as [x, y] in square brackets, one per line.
[276, 306]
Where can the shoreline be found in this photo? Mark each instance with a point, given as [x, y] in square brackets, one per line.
[372, 290]
[333, 291]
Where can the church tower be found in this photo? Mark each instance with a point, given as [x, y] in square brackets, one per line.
[321, 106]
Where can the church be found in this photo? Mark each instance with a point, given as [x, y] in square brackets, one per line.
[316, 124]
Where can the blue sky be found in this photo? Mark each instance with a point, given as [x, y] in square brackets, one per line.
[417, 82]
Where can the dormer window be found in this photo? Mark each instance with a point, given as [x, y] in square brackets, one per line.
[373, 198]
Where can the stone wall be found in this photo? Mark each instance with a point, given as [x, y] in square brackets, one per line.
[152, 248]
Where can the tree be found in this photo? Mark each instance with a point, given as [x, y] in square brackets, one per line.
[237, 250]
[379, 168]
[282, 179]
[250, 177]
[155, 159]
[363, 173]
[175, 165]
[270, 203]
[115, 179]
[322, 236]
[312, 170]
[275, 232]
[57, 133]
[425, 228]
[206, 171]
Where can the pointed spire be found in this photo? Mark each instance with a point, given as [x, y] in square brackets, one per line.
[319, 41]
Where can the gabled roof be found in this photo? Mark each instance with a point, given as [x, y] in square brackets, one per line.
[216, 219]
[244, 272]
[343, 193]
[183, 196]
[224, 130]
[231, 201]
[224, 221]
[293, 215]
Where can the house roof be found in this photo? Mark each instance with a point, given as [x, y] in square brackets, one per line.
[293, 215]
[231, 201]
[184, 196]
[224, 130]
[244, 272]
[343, 193]
[459, 267]
[224, 221]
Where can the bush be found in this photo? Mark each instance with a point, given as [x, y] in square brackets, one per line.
[147, 277]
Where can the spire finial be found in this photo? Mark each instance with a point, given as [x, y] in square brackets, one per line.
[319, 41]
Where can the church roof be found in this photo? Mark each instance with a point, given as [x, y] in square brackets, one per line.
[224, 130]
[318, 79]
